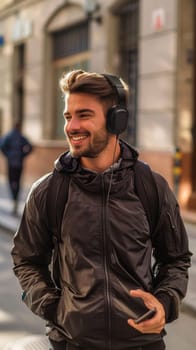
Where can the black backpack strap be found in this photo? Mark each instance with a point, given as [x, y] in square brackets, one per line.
[147, 191]
[56, 199]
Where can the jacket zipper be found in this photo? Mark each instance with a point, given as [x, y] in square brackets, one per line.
[106, 268]
[172, 225]
[171, 221]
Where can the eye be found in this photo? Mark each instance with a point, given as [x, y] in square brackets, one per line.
[86, 115]
[67, 117]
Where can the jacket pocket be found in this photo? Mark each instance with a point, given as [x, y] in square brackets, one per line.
[66, 316]
[42, 301]
[172, 232]
[76, 316]
[167, 239]
[122, 283]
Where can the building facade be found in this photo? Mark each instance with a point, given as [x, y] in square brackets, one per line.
[150, 44]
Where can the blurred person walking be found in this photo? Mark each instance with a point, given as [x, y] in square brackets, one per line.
[15, 147]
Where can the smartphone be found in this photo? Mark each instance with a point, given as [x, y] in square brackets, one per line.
[150, 313]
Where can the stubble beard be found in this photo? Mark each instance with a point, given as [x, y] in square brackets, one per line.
[93, 149]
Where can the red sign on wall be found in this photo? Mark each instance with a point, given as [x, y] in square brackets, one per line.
[158, 19]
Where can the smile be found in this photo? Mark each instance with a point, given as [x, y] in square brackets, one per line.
[78, 138]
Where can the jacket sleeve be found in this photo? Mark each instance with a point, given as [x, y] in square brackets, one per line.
[32, 253]
[171, 251]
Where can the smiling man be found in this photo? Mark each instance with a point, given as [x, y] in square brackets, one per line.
[102, 292]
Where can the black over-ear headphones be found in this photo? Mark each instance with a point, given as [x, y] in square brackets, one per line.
[117, 115]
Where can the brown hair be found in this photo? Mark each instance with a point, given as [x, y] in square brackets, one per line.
[91, 83]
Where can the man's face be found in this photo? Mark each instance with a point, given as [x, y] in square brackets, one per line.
[85, 125]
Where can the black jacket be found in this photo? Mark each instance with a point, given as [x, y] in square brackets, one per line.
[105, 251]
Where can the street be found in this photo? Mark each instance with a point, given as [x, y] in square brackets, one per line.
[16, 321]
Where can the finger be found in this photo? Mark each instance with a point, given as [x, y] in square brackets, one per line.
[148, 298]
[146, 326]
[139, 293]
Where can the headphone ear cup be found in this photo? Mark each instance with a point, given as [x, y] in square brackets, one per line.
[117, 119]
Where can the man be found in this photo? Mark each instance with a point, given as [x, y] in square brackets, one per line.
[15, 148]
[103, 260]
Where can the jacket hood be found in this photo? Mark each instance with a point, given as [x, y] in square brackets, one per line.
[68, 164]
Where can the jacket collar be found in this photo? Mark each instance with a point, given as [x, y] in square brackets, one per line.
[67, 163]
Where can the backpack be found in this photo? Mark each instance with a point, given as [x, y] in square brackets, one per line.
[145, 186]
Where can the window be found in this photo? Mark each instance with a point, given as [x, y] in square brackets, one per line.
[70, 41]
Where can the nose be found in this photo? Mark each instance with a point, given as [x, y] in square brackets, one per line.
[72, 125]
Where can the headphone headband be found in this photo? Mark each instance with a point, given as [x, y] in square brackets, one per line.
[118, 86]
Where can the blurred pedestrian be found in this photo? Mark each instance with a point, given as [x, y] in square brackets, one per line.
[15, 147]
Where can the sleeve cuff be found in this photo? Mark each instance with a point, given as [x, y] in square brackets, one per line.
[166, 300]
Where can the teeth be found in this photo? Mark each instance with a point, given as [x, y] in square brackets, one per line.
[77, 138]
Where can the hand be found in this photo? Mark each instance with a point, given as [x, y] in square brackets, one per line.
[157, 322]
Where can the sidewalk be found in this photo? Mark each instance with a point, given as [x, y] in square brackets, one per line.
[8, 221]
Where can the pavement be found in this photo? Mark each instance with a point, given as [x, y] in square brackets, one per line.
[10, 222]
